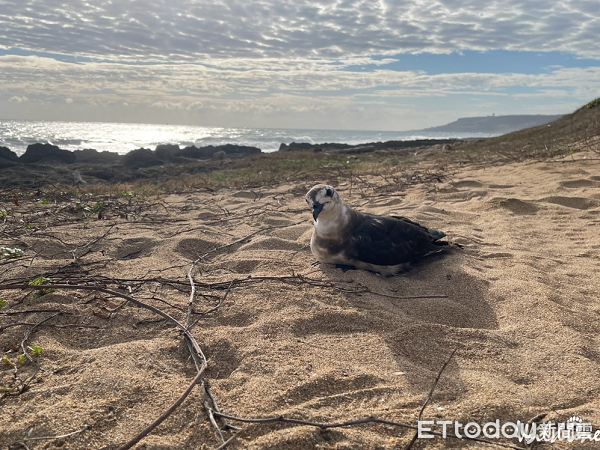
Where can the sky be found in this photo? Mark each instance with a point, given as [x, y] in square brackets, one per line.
[312, 64]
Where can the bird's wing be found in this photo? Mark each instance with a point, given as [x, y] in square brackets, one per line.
[435, 234]
[386, 241]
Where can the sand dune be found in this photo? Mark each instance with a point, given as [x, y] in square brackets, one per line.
[519, 302]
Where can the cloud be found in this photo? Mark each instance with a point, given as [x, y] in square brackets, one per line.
[46, 77]
[194, 87]
[196, 31]
[328, 64]
[195, 106]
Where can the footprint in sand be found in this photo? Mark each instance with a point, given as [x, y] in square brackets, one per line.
[245, 266]
[467, 184]
[518, 206]
[578, 183]
[193, 248]
[359, 386]
[53, 250]
[271, 243]
[572, 202]
[134, 248]
[502, 186]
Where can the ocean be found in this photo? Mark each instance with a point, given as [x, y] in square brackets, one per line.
[124, 137]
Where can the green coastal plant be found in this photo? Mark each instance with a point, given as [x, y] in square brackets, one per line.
[36, 349]
[593, 103]
[8, 253]
[88, 207]
[42, 282]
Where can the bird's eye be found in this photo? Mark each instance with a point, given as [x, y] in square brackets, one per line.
[329, 192]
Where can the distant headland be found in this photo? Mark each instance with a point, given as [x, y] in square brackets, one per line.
[494, 124]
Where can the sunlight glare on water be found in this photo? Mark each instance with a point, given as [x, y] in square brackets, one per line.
[124, 137]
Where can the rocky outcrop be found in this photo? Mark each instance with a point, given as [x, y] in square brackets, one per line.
[142, 157]
[363, 148]
[8, 154]
[8, 158]
[167, 152]
[307, 147]
[219, 156]
[240, 150]
[91, 156]
[208, 151]
[46, 153]
[196, 153]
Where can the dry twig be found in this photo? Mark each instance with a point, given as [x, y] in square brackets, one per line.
[437, 379]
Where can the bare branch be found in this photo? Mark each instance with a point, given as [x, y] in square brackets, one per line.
[164, 415]
[437, 379]
[349, 423]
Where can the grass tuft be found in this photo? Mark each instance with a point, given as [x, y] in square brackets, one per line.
[593, 103]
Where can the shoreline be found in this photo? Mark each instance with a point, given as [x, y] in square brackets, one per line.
[53, 165]
[122, 138]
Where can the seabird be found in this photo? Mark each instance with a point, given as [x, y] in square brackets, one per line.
[383, 244]
[77, 180]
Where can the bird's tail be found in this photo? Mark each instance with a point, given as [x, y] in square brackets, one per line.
[436, 235]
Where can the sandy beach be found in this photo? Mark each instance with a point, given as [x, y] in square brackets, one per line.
[518, 304]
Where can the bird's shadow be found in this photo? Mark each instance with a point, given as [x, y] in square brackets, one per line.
[422, 315]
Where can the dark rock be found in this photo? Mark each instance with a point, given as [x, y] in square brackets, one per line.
[142, 157]
[106, 173]
[219, 156]
[363, 148]
[8, 154]
[368, 148]
[46, 153]
[242, 150]
[91, 156]
[307, 147]
[196, 153]
[167, 152]
[208, 151]
[8, 158]
[412, 144]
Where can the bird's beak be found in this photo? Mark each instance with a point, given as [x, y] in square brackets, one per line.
[317, 208]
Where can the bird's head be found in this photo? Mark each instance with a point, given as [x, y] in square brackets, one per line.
[321, 199]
